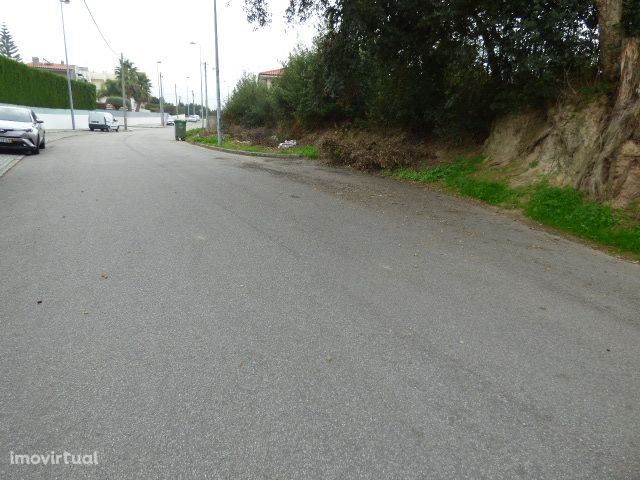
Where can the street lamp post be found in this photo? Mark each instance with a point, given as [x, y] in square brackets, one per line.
[175, 90]
[187, 98]
[206, 95]
[66, 58]
[200, 69]
[160, 92]
[218, 115]
[124, 92]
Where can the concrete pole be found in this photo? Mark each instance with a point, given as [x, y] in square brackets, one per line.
[160, 92]
[175, 88]
[161, 100]
[186, 101]
[66, 59]
[206, 94]
[124, 91]
[218, 112]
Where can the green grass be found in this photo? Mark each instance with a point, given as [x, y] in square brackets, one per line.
[566, 208]
[563, 208]
[458, 177]
[308, 151]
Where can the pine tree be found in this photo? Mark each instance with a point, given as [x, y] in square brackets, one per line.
[7, 47]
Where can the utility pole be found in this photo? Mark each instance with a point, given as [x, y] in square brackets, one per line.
[206, 94]
[186, 98]
[161, 100]
[66, 57]
[200, 69]
[160, 92]
[124, 91]
[218, 113]
[175, 89]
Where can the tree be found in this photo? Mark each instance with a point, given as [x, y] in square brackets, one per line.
[610, 31]
[141, 91]
[431, 63]
[7, 46]
[137, 84]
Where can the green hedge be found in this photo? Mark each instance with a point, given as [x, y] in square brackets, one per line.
[23, 85]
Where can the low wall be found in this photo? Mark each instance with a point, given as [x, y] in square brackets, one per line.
[60, 119]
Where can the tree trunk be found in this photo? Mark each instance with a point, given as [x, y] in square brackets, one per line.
[619, 139]
[610, 36]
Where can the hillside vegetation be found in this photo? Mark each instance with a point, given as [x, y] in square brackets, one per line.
[548, 93]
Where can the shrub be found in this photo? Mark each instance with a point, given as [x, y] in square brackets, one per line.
[23, 85]
[117, 102]
[251, 104]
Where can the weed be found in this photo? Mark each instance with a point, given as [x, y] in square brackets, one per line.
[566, 208]
[308, 151]
[563, 208]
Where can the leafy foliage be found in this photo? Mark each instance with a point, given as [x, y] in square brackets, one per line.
[631, 18]
[23, 85]
[430, 65]
[251, 104]
[118, 102]
[7, 46]
[137, 84]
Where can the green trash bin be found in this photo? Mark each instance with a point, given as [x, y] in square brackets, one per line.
[181, 129]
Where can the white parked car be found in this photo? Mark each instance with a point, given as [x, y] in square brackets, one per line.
[193, 118]
[104, 121]
[171, 120]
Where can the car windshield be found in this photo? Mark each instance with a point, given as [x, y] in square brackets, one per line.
[15, 115]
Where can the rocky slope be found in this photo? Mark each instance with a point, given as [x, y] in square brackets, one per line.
[594, 147]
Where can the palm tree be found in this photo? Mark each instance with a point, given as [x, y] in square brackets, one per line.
[141, 89]
[137, 84]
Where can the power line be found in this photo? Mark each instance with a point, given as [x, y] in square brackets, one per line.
[99, 31]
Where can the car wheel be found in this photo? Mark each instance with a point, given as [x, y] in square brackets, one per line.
[36, 149]
[91, 128]
[43, 144]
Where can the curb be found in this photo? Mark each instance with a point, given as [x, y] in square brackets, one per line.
[246, 153]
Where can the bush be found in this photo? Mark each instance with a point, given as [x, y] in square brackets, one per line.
[302, 95]
[251, 104]
[117, 102]
[23, 85]
[369, 150]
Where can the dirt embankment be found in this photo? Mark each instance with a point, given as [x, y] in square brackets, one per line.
[593, 146]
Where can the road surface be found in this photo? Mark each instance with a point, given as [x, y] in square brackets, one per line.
[185, 313]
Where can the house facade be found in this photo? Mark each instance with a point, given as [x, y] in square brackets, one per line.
[269, 76]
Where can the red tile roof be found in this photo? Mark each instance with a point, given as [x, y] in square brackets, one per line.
[50, 66]
[274, 73]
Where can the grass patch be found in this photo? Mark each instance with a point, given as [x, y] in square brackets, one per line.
[566, 208]
[308, 151]
[563, 208]
[458, 176]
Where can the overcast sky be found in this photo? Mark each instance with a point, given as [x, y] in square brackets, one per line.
[155, 30]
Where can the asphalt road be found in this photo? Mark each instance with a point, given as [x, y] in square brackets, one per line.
[206, 315]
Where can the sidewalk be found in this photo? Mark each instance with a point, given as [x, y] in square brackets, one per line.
[9, 160]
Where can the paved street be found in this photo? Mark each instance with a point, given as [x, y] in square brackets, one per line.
[190, 314]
